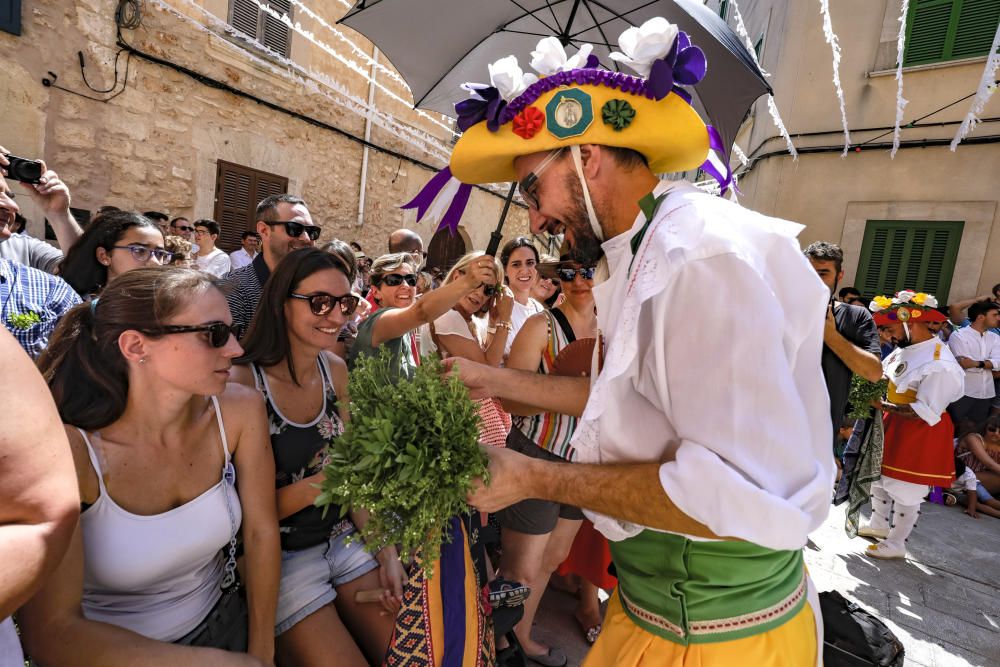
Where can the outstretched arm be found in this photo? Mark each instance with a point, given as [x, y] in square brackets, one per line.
[548, 393]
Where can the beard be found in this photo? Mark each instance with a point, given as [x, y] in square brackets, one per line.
[586, 249]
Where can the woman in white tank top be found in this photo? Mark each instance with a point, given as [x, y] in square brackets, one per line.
[159, 438]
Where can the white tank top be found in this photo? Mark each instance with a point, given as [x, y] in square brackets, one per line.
[157, 575]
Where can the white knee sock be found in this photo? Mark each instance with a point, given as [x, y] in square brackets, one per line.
[881, 508]
[903, 520]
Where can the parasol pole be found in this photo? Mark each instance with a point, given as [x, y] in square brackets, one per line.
[496, 236]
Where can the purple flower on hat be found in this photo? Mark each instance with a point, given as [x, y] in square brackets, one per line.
[486, 104]
[684, 65]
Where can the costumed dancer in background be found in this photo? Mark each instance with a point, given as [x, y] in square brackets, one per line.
[924, 379]
[683, 442]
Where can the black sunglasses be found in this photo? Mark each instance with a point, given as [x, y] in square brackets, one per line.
[397, 279]
[218, 332]
[322, 303]
[567, 275]
[295, 229]
[184, 229]
[142, 253]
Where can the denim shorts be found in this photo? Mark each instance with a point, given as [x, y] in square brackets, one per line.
[982, 495]
[310, 576]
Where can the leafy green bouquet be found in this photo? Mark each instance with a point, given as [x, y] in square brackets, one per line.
[862, 394]
[408, 455]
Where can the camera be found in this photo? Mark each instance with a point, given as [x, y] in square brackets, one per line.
[21, 169]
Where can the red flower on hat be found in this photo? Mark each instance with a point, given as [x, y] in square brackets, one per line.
[528, 122]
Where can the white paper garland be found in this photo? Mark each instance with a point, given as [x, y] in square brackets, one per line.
[831, 39]
[900, 101]
[776, 117]
[741, 30]
[425, 143]
[740, 155]
[986, 89]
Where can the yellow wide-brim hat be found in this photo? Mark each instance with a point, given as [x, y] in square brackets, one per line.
[668, 132]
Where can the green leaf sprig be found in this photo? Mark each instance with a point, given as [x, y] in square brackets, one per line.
[24, 320]
[862, 394]
[408, 455]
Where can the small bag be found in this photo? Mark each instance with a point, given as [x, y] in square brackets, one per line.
[852, 637]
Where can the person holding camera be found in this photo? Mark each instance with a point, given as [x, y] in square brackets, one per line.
[52, 196]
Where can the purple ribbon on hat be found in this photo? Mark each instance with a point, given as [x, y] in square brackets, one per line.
[488, 108]
[430, 192]
[715, 143]
[685, 65]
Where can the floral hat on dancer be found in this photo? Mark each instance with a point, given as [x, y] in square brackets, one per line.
[906, 306]
[574, 101]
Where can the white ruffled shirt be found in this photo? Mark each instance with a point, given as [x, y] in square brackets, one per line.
[732, 401]
[931, 370]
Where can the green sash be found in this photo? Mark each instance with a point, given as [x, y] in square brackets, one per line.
[697, 592]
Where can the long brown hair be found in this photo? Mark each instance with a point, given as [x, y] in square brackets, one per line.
[83, 365]
[266, 342]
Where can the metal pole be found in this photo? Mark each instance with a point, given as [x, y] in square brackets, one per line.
[496, 236]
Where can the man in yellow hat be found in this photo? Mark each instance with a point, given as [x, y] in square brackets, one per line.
[704, 439]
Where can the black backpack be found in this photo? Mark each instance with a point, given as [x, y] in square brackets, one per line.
[854, 638]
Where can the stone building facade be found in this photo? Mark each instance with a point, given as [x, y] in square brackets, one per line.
[928, 219]
[190, 91]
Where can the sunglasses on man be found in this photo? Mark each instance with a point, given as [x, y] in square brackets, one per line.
[322, 303]
[184, 228]
[218, 332]
[567, 275]
[294, 229]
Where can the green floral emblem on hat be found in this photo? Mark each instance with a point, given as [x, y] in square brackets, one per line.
[619, 114]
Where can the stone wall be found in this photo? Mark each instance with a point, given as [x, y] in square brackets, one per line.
[157, 143]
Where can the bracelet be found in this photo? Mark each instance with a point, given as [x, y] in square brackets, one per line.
[506, 325]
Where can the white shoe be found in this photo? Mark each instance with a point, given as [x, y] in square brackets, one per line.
[885, 551]
[869, 531]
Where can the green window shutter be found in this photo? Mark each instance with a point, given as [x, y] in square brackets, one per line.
[977, 24]
[898, 255]
[724, 9]
[941, 30]
[10, 16]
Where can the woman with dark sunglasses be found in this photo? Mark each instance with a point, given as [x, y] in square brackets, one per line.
[537, 535]
[302, 310]
[112, 244]
[160, 439]
[400, 313]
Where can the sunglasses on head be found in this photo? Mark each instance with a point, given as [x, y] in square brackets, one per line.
[397, 279]
[567, 275]
[322, 303]
[141, 253]
[295, 229]
[218, 332]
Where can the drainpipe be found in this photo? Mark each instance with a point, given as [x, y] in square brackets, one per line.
[368, 138]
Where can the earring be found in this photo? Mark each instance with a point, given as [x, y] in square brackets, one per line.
[143, 360]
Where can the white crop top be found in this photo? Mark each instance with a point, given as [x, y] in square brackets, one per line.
[157, 575]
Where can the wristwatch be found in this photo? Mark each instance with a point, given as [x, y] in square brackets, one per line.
[982, 364]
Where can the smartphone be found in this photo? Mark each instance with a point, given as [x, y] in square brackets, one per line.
[24, 170]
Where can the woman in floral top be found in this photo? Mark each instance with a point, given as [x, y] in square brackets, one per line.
[304, 305]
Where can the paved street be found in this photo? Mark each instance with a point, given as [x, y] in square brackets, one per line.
[944, 604]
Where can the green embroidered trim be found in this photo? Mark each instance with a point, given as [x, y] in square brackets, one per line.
[619, 114]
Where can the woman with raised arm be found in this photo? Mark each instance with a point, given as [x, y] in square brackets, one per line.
[302, 310]
[400, 313]
[172, 461]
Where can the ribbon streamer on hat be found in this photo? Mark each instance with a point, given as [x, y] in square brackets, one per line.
[442, 200]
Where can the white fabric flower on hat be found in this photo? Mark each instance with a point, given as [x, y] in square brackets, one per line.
[643, 46]
[904, 296]
[549, 57]
[509, 79]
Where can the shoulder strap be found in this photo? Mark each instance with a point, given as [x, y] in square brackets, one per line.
[564, 324]
[94, 461]
[436, 340]
[222, 427]
[258, 380]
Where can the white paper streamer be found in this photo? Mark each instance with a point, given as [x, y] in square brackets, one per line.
[900, 101]
[740, 155]
[831, 39]
[425, 143]
[354, 66]
[986, 88]
[776, 117]
[741, 30]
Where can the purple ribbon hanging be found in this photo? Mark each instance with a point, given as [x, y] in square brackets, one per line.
[454, 215]
[715, 144]
[426, 196]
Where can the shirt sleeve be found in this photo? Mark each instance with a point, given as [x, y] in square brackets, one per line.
[960, 347]
[62, 297]
[993, 349]
[220, 265]
[936, 391]
[744, 390]
[42, 256]
[868, 332]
